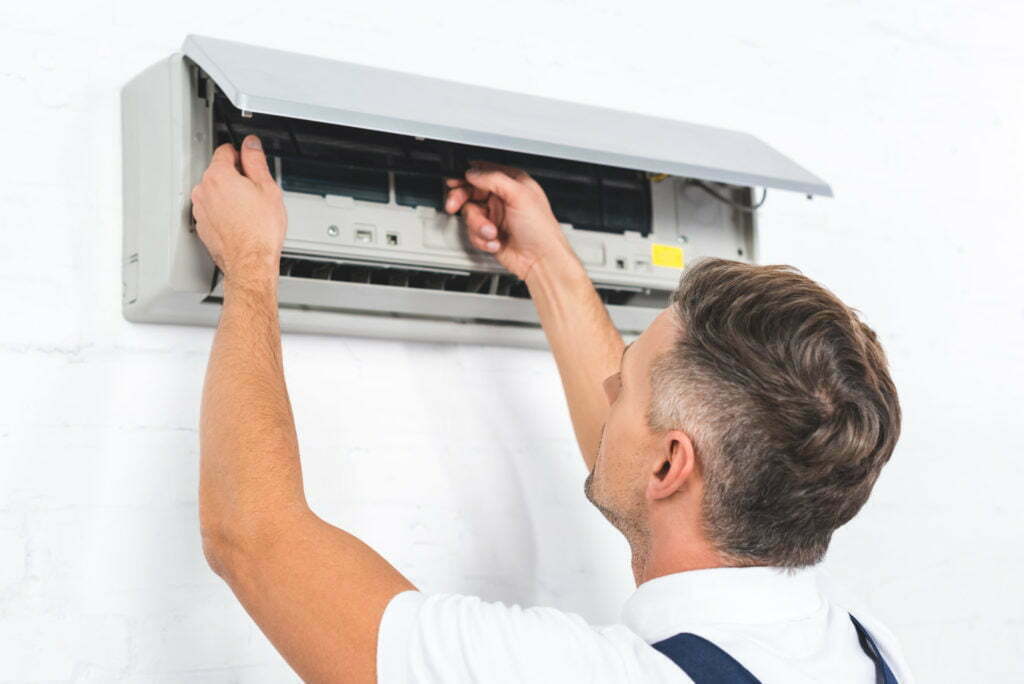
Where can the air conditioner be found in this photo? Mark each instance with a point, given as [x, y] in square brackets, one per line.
[360, 154]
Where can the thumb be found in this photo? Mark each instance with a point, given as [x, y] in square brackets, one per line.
[494, 181]
[254, 162]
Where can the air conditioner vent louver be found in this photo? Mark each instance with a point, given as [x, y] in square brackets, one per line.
[472, 282]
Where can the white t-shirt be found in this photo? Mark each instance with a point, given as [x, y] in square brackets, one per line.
[777, 624]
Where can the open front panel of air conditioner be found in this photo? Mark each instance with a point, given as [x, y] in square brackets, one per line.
[369, 249]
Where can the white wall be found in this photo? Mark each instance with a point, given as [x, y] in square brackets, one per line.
[458, 462]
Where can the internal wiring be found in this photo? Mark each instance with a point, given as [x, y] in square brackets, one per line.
[749, 208]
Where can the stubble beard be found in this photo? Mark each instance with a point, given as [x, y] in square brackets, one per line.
[629, 524]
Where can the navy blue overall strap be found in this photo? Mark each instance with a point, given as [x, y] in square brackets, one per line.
[883, 675]
[706, 663]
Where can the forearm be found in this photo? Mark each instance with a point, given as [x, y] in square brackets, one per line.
[250, 477]
[316, 591]
[585, 343]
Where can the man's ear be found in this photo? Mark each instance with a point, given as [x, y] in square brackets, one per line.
[676, 465]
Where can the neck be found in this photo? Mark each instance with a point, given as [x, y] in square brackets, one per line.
[661, 554]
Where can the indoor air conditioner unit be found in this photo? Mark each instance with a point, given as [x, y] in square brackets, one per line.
[360, 154]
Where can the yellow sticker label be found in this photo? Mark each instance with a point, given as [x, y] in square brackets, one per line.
[668, 256]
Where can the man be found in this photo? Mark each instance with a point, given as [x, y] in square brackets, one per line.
[727, 443]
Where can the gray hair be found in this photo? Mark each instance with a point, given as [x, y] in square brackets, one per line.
[787, 398]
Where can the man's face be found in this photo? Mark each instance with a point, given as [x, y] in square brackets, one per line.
[617, 484]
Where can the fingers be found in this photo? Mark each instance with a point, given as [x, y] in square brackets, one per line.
[254, 161]
[198, 209]
[482, 232]
[482, 179]
[465, 199]
[484, 246]
[224, 156]
[494, 180]
[457, 196]
[459, 192]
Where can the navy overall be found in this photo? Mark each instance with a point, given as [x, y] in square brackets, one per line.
[706, 663]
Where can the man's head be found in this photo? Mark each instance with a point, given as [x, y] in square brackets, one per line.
[754, 414]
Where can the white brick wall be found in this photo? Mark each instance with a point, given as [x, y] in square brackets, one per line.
[458, 462]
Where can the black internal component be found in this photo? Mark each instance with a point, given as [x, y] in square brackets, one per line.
[326, 159]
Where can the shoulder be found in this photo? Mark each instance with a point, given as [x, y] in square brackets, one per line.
[847, 603]
[450, 637]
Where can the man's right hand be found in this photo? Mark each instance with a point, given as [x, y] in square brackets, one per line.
[508, 215]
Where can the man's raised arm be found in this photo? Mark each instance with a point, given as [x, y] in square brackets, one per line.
[317, 592]
[509, 216]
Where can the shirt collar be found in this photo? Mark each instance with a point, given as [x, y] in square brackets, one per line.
[668, 605]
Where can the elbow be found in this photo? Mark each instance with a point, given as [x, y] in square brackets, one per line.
[235, 548]
[226, 547]
[220, 550]
[217, 536]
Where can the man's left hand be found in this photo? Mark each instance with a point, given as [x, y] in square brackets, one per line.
[239, 213]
